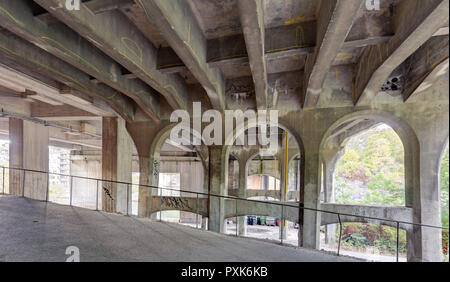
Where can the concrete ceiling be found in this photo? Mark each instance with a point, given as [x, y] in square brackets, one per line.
[144, 58]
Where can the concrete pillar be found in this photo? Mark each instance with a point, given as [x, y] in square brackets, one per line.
[329, 165]
[147, 137]
[218, 171]
[243, 171]
[29, 150]
[309, 235]
[284, 163]
[117, 157]
[427, 242]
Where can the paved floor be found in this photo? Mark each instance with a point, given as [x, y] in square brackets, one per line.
[39, 231]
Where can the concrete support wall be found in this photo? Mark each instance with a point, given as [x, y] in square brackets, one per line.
[117, 158]
[28, 149]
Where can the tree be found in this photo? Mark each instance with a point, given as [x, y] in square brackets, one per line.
[371, 171]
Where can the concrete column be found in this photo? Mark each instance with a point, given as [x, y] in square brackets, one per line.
[284, 159]
[218, 171]
[309, 235]
[243, 171]
[147, 137]
[117, 157]
[204, 223]
[28, 149]
[329, 165]
[427, 242]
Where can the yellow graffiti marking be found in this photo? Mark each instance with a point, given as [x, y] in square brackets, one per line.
[343, 56]
[69, 51]
[45, 67]
[9, 15]
[439, 61]
[126, 41]
[188, 44]
[112, 96]
[294, 20]
[136, 64]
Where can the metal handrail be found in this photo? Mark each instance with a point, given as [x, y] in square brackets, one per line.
[397, 222]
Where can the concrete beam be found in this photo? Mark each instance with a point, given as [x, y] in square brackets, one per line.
[280, 42]
[25, 54]
[252, 21]
[422, 64]
[59, 113]
[335, 22]
[23, 82]
[67, 45]
[415, 23]
[116, 36]
[175, 21]
[101, 6]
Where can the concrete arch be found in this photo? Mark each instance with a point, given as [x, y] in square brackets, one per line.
[407, 136]
[240, 129]
[411, 148]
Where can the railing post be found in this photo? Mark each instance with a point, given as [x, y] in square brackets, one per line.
[398, 227]
[96, 197]
[196, 213]
[340, 234]
[23, 184]
[71, 192]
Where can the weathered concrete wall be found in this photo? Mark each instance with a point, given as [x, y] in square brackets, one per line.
[390, 213]
[191, 174]
[85, 191]
[245, 208]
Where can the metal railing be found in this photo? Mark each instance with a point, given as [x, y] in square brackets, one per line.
[283, 206]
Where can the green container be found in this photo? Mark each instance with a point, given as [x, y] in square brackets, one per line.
[263, 221]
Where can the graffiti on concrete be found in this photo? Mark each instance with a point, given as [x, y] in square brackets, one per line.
[155, 168]
[107, 192]
[175, 203]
